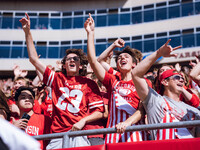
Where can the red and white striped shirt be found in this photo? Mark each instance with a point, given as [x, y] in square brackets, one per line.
[123, 93]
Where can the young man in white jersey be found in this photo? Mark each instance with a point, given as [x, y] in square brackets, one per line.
[74, 96]
[169, 107]
[123, 99]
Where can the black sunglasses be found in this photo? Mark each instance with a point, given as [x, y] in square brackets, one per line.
[177, 77]
[75, 58]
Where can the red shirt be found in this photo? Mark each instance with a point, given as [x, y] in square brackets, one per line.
[74, 97]
[124, 91]
[39, 124]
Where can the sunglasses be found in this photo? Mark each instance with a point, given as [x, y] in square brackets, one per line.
[75, 58]
[177, 77]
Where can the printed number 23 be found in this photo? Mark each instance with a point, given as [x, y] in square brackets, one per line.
[76, 102]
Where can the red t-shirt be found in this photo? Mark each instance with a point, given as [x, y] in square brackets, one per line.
[39, 124]
[74, 97]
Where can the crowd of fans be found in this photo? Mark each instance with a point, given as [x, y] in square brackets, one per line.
[77, 96]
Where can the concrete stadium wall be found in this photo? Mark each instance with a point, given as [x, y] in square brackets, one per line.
[70, 5]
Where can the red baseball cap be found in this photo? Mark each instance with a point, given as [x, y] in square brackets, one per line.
[168, 73]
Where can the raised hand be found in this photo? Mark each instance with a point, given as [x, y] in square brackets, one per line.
[89, 24]
[25, 21]
[119, 43]
[166, 50]
[192, 64]
[17, 70]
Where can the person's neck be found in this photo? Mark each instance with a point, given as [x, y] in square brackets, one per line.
[73, 74]
[172, 95]
[126, 76]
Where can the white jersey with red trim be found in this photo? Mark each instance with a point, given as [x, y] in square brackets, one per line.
[124, 101]
[74, 97]
[162, 109]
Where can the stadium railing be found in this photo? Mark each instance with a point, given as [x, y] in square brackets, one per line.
[67, 135]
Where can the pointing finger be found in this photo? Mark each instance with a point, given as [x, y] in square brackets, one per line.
[167, 42]
[173, 55]
[175, 48]
[27, 16]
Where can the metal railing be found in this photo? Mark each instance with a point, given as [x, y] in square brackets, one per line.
[66, 135]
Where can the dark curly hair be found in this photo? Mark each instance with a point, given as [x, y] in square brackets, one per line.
[130, 51]
[23, 88]
[83, 60]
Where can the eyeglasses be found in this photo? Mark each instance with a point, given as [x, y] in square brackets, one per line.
[177, 77]
[75, 58]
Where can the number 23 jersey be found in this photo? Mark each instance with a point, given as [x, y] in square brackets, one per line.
[74, 97]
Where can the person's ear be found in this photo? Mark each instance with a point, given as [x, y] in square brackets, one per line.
[165, 82]
[133, 65]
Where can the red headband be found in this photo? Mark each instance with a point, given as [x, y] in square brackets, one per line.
[168, 73]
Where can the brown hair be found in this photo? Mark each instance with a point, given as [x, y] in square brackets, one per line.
[83, 60]
[4, 105]
[138, 54]
[128, 50]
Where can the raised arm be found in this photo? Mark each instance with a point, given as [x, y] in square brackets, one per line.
[33, 57]
[195, 73]
[139, 71]
[96, 66]
[109, 52]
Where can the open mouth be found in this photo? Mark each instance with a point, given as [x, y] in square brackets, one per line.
[123, 63]
[27, 103]
[72, 65]
[180, 85]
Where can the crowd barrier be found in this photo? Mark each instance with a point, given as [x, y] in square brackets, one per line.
[177, 144]
[149, 144]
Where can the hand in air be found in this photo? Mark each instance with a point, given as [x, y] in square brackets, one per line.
[89, 24]
[119, 43]
[166, 50]
[25, 21]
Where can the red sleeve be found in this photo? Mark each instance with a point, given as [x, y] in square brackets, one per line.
[108, 80]
[116, 73]
[10, 101]
[36, 107]
[111, 70]
[105, 97]
[194, 101]
[48, 77]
